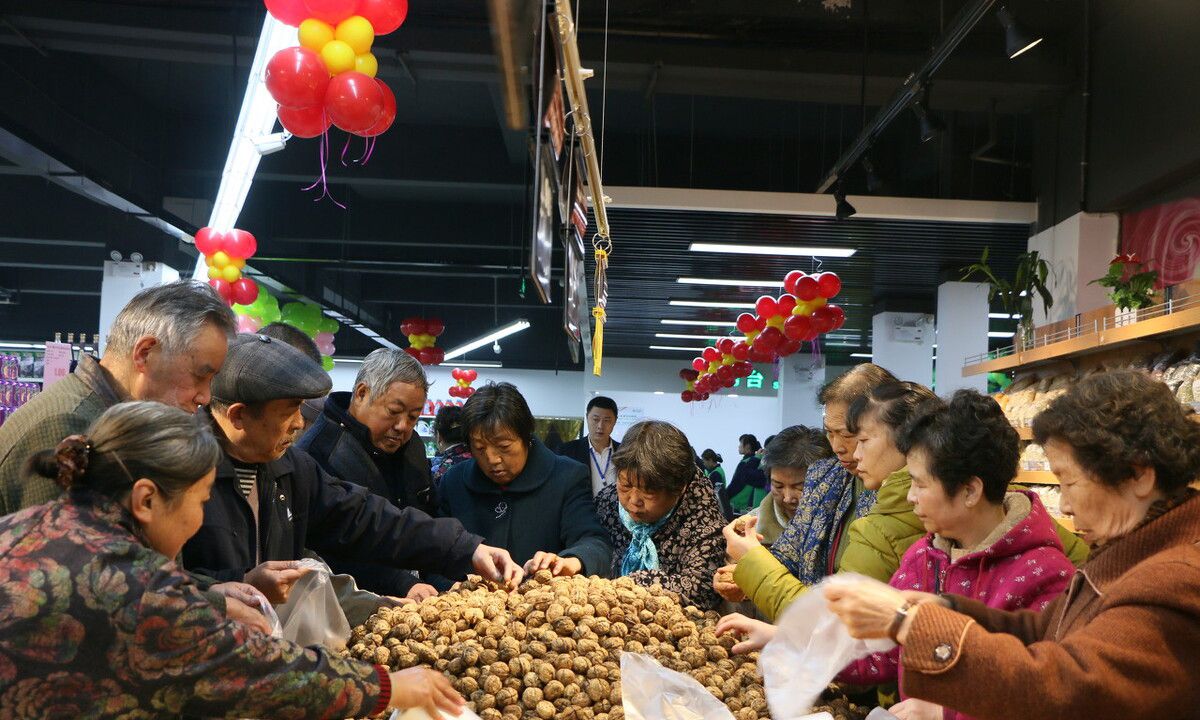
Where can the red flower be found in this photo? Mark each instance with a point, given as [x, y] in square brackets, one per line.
[1126, 259]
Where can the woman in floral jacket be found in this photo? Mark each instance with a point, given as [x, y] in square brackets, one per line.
[97, 621]
[662, 517]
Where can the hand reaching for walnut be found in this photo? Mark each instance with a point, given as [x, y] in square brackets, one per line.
[755, 634]
[557, 565]
[725, 586]
[426, 689]
[495, 564]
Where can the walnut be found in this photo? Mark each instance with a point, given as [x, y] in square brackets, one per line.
[531, 680]
[545, 710]
[553, 690]
[531, 697]
[565, 676]
[382, 655]
[506, 696]
[499, 669]
[468, 685]
[490, 713]
[492, 684]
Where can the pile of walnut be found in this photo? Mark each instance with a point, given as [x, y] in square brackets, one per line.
[552, 648]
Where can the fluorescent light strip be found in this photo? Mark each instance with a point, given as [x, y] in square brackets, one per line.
[22, 346]
[862, 355]
[673, 336]
[673, 347]
[473, 363]
[731, 283]
[1003, 316]
[1000, 334]
[706, 304]
[503, 332]
[702, 323]
[659, 392]
[772, 250]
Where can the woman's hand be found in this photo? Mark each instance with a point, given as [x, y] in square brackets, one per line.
[737, 544]
[275, 579]
[426, 689]
[497, 565]
[916, 597]
[866, 608]
[242, 604]
[724, 585]
[557, 565]
[755, 633]
[420, 591]
[914, 709]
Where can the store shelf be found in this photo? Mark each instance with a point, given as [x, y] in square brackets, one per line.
[1161, 321]
[1036, 477]
[1025, 433]
[30, 379]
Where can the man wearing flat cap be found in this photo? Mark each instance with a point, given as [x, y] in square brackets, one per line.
[271, 501]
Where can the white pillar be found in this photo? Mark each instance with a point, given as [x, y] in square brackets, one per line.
[800, 379]
[1078, 250]
[123, 280]
[962, 332]
[903, 343]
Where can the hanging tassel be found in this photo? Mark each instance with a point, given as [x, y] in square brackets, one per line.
[598, 312]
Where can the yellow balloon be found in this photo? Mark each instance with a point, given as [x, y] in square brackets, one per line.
[219, 260]
[338, 57]
[412, 339]
[208, 260]
[314, 34]
[727, 360]
[712, 367]
[357, 32]
[751, 335]
[776, 322]
[229, 273]
[214, 273]
[238, 263]
[366, 64]
[817, 302]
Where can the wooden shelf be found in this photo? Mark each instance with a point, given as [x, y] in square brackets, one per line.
[1036, 477]
[1107, 339]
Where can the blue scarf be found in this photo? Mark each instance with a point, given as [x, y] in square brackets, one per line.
[642, 554]
[804, 545]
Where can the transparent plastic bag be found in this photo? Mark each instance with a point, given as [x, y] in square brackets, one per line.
[421, 714]
[264, 606]
[312, 615]
[810, 648]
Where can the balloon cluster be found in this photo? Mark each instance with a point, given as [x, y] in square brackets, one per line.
[422, 337]
[306, 318]
[330, 77]
[721, 366]
[263, 311]
[462, 382]
[226, 254]
[690, 394]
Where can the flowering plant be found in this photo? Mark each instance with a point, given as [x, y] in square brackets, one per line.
[1130, 283]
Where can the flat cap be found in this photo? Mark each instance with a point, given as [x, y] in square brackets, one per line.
[258, 368]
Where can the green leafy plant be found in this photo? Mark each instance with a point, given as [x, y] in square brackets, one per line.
[1130, 285]
[1016, 295]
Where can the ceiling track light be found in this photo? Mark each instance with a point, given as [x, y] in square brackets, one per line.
[1017, 40]
[931, 124]
[844, 209]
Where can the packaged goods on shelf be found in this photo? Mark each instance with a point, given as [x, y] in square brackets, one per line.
[1033, 457]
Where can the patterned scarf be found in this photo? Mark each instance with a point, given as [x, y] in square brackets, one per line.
[804, 545]
[642, 554]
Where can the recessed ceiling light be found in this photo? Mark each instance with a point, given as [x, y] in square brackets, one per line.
[731, 283]
[702, 323]
[706, 304]
[674, 347]
[772, 250]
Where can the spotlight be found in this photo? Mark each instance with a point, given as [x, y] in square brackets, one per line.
[931, 125]
[273, 143]
[136, 258]
[496, 347]
[844, 209]
[1016, 38]
[115, 255]
[873, 183]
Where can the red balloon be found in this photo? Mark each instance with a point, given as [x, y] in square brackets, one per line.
[712, 354]
[245, 291]
[797, 327]
[789, 347]
[688, 374]
[766, 307]
[699, 364]
[414, 352]
[687, 395]
[416, 326]
[434, 326]
[725, 374]
[427, 356]
[306, 122]
[790, 280]
[223, 288]
[288, 12]
[746, 323]
[453, 391]
[439, 355]
[829, 284]
[469, 374]
[786, 303]
[385, 15]
[297, 77]
[387, 117]
[241, 245]
[456, 373]
[741, 350]
[769, 339]
[354, 101]
[209, 241]
[743, 369]
[330, 11]
[807, 288]
[470, 390]
[702, 397]
[761, 354]
[725, 345]
[828, 317]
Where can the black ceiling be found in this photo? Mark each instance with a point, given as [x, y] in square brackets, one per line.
[141, 97]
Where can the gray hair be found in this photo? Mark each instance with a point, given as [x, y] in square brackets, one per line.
[796, 447]
[174, 314]
[385, 366]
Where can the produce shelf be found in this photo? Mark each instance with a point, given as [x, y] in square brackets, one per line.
[1036, 477]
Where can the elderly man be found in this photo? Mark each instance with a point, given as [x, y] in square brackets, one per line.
[165, 345]
[270, 501]
[366, 437]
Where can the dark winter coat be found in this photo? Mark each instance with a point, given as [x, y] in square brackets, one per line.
[547, 507]
[577, 450]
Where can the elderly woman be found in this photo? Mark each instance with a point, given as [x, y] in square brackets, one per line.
[521, 496]
[662, 517]
[785, 461]
[1124, 640]
[101, 622]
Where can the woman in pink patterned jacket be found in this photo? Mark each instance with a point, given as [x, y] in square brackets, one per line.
[985, 542]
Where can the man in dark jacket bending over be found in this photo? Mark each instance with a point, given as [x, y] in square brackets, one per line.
[366, 437]
[270, 501]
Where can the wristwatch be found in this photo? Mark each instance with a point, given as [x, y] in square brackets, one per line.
[898, 620]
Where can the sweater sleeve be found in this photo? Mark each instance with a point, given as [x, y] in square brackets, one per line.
[1135, 658]
[767, 582]
[582, 535]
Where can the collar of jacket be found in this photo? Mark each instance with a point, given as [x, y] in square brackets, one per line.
[893, 494]
[100, 381]
[1178, 524]
[337, 409]
[538, 469]
[275, 468]
[108, 511]
[1026, 525]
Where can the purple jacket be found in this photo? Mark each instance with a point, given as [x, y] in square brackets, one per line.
[1024, 568]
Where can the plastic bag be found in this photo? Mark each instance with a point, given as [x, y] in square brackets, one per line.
[264, 606]
[312, 615]
[650, 691]
[420, 714]
[810, 648]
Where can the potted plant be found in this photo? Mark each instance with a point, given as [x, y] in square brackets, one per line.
[1130, 286]
[1016, 296]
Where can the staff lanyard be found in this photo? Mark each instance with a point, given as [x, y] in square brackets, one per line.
[596, 462]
